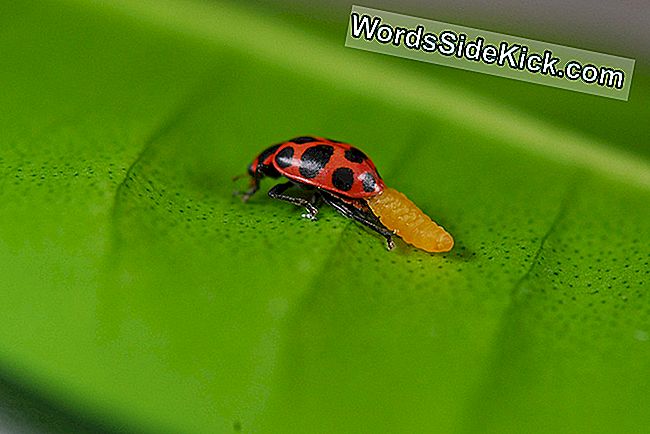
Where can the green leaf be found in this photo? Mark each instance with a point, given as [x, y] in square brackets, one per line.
[137, 291]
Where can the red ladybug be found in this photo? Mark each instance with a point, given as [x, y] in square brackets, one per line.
[338, 174]
[344, 177]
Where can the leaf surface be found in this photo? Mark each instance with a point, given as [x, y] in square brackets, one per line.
[137, 289]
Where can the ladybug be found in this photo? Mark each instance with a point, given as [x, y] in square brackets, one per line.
[343, 177]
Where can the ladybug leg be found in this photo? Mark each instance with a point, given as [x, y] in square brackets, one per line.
[254, 185]
[365, 218]
[277, 192]
[316, 200]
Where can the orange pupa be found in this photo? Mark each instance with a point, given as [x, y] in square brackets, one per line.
[399, 214]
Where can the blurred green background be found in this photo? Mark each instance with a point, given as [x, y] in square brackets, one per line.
[137, 295]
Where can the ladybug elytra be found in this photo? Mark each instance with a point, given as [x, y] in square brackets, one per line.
[343, 177]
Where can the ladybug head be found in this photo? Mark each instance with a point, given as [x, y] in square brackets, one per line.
[262, 165]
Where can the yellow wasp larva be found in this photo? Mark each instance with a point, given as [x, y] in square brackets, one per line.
[399, 214]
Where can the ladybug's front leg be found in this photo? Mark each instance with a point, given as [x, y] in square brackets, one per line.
[277, 192]
[253, 186]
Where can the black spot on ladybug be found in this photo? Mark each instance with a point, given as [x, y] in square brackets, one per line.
[314, 159]
[303, 139]
[266, 153]
[355, 156]
[368, 181]
[342, 178]
[284, 158]
[333, 141]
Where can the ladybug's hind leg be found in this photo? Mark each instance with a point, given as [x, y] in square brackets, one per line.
[277, 192]
[366, 218]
